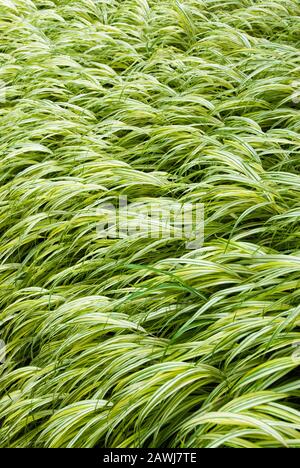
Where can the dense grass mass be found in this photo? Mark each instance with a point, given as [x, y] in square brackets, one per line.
[139, 342]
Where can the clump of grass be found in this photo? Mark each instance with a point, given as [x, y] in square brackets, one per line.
[138, 342]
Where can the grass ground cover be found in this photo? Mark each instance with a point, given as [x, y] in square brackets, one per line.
[139, 342]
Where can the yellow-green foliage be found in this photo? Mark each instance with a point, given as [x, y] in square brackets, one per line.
[139, 342]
